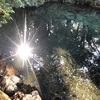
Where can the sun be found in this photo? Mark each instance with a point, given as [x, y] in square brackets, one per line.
[24, 51]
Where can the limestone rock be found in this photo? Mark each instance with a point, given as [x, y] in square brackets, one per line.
[33, 96]
[11, 82]
[12, 79]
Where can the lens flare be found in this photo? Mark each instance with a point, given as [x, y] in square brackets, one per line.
[24, 51]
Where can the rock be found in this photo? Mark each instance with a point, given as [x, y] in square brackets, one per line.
[26, 88]
[3, 96]
[33, 96]
[12, 79]
[10, 84]
[10, 70]
[36, 95]
[16, 80]
[28, 97]
[10, 89]
[18, 95]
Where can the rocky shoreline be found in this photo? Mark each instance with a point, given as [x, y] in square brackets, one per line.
[12, 86]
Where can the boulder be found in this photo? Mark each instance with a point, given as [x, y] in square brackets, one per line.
[10, 83]
[33, 96]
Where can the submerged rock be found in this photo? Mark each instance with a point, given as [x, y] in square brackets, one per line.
[78, 84]
[6, 69]
[10, 70]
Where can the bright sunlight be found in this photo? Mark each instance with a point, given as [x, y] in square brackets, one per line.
[24, 51]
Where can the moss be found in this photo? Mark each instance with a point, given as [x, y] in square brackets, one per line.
[81, 90]
[3, 96]
[79, 84]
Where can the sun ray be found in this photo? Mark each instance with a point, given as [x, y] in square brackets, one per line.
[11, 40]
[8, 57]
[35, 33]
[24, 65]
[23, 62]
[17, 60]
[25, 29]
[27, 68]
[32, 69]
[19, 35]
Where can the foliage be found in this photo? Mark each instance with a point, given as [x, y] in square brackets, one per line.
[5, 11]
[23, 3]
[6, 7]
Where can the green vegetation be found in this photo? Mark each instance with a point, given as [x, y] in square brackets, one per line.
[6, 7]
[5, 11]
[23, 3]
[3, 96]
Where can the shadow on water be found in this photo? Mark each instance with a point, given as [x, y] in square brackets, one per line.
[56, 26]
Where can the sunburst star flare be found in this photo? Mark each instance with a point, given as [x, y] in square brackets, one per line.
[24, 51]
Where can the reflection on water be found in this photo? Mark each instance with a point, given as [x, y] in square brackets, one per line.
[50, 27]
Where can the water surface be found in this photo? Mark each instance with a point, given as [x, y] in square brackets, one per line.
[73, 29]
